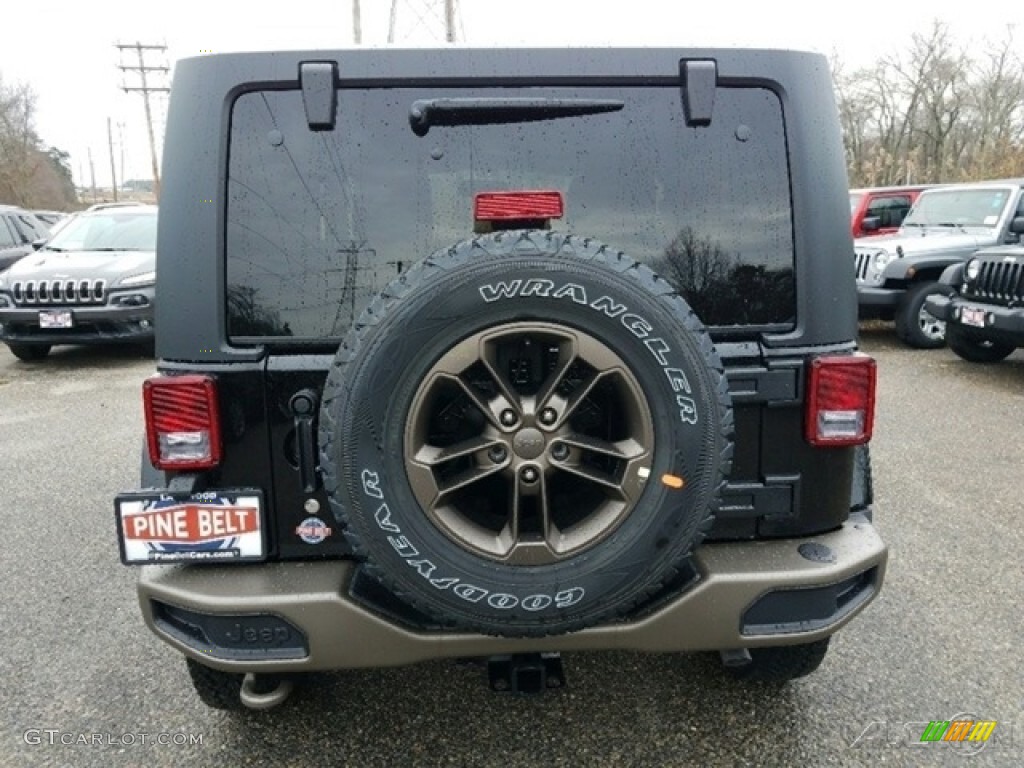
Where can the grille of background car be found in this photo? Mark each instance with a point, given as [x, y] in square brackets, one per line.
[1003, 281]
[59, 292]
[863, 262]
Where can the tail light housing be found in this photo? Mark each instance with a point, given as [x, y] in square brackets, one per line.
[182, 422]
[840, 400]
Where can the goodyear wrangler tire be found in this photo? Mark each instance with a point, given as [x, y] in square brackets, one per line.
[525, 434]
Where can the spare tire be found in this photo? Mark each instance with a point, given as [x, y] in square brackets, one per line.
[525, 434]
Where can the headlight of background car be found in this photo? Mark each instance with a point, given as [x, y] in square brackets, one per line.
[144, 278]
[882, 259]
[972, 270]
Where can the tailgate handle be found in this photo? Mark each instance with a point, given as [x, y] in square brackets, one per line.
[303, 406]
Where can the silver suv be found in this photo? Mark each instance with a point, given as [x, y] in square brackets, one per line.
[92, 283]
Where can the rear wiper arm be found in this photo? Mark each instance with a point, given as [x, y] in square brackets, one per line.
[427, 112]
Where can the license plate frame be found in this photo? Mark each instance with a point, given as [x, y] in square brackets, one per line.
[56, 318]
[973, 317]
[221, 526]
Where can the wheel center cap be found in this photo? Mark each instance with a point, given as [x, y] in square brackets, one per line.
[528, 443]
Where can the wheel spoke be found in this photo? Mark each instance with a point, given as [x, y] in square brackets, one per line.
[566, 357]
[530, 548]
[432, 455]
[593, 475]
[565, 406]
[490, 410]
[623, 449]
[488, 356]
[468, 477]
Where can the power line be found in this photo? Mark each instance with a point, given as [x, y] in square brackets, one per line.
[145, 88]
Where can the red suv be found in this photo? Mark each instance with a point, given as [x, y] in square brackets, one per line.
[880, 210]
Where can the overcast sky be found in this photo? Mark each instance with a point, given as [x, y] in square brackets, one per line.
[65, 48]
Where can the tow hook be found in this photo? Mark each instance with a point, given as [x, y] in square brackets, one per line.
[262, 692]
[526, 673]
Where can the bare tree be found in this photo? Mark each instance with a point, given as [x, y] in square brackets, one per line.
[17, 142]
[30, 175]
[934, 113]
[997, 119]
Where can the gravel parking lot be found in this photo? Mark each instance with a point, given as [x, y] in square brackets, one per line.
[942, 639]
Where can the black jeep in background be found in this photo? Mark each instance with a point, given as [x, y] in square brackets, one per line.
[502, 353]
[985, 313]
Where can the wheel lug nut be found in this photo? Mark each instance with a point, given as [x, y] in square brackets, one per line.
[497, 454]
[559, 451]
[529, 475]
[508, 417]
[548, 416]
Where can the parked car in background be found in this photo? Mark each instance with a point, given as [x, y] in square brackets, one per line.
[880, 210]
[985, 317]
[18, 230]
[54, 229]
[947, 225]
[93, 282]
[50, 218]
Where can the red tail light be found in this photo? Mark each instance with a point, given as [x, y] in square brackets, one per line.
[512, 206]
[840, 400]
[182, 422]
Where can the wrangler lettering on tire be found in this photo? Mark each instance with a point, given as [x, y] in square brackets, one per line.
[494, 428]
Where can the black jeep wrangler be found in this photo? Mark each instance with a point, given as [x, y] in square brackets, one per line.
[499, 354]
[984, 315]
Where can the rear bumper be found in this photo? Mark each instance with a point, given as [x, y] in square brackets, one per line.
[293, 617]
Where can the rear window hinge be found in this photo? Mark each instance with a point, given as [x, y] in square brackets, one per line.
[699, 79]
[319, 93]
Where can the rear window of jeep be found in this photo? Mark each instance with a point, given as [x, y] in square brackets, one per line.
[320, 221]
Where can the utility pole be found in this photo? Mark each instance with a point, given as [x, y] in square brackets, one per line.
[113, 172]
[357, 23]
[146, 89]
[92, 175]
[449, 21]
[120, 146]
[392, 21]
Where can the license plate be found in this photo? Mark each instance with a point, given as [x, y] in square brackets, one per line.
[213, 526]
[974, 316]
[54, 318]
